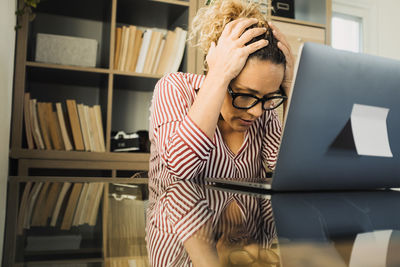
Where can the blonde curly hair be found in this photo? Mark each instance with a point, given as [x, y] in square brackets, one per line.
[211, 20]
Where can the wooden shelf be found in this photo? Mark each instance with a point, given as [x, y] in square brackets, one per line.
[88, 69]
[136, 74]
[173, 2]
[19, 179]
[300, 22]
[79, 155]
[88, 260]
[66, 67]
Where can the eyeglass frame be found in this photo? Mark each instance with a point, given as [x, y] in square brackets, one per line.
[263, 99]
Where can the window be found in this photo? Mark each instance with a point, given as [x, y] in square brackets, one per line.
[347, 32]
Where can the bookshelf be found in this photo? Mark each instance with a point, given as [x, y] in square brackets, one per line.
[124, 98]
[117, 92]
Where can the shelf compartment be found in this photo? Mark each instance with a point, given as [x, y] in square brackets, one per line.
[98, 10]
[158, 14]
[58, 85]
[131, 103]
[71, 19]
[46, 242]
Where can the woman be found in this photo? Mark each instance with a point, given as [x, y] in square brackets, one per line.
[222, 124]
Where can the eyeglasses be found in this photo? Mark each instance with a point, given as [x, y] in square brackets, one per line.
[247, 101]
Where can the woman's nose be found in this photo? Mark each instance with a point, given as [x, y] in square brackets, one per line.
[256, 111]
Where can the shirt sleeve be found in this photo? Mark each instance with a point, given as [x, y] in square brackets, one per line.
[183, 147]
[271, 140]
[186, 208]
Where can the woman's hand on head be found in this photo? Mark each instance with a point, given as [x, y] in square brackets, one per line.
[284, 46]
[228, 57]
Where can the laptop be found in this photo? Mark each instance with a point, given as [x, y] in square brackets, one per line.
[318, 145]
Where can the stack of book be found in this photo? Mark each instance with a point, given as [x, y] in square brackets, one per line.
[151, 51]
[59, 204]
[126, 244]
[50, 129]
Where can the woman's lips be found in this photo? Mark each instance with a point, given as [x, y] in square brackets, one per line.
[245, 122]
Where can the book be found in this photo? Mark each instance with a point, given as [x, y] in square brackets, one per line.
[124, 47]
[63, 128]
[96, 206]
[144, 48]
[58, 130]
[179, 51]
[64, 189]
[90, 128]
[23, 207]
[27, 121]
[152, 51]
[91, 196]
[136, 49]
[85, 130]
[118, 35]
[93, 124]
[51, 200]
[44, 128]
[166, 54]
[31, 204]
[158, 56]
[54, 128]
[37, 135]
[75, 124]
[71, 206]
[131, 45]
[39, 205]
[97, 112]
[81, 203]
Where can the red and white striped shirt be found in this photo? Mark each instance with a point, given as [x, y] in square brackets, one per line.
[181, 150]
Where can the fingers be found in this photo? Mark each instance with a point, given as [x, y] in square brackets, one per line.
[280, 36]
[248, 35]
[253, 47]
[236, 27]
[210, 51]
[286, 51]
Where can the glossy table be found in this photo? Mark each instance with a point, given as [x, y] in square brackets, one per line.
[290, 229]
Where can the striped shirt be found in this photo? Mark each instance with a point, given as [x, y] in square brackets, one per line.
[180, 150]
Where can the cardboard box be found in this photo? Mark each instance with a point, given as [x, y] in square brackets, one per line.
[66, 50]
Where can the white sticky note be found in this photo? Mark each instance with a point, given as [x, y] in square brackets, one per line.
[368, 124]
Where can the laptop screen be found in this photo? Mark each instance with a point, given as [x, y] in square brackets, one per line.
[321, 146]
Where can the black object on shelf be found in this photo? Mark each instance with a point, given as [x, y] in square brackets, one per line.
[130, 142]
[283, 8]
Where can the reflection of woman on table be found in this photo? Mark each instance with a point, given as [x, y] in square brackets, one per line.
[223, 124]
[205, 227]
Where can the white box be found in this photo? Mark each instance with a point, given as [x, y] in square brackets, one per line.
[66, 50]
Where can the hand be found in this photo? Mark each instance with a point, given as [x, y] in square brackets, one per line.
[284, 46]
[227, 58]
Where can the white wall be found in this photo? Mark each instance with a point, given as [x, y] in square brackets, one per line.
[381, 34]
[7, 43]
[389, 33]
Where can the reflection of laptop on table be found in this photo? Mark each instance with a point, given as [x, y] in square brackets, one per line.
[336, 133]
